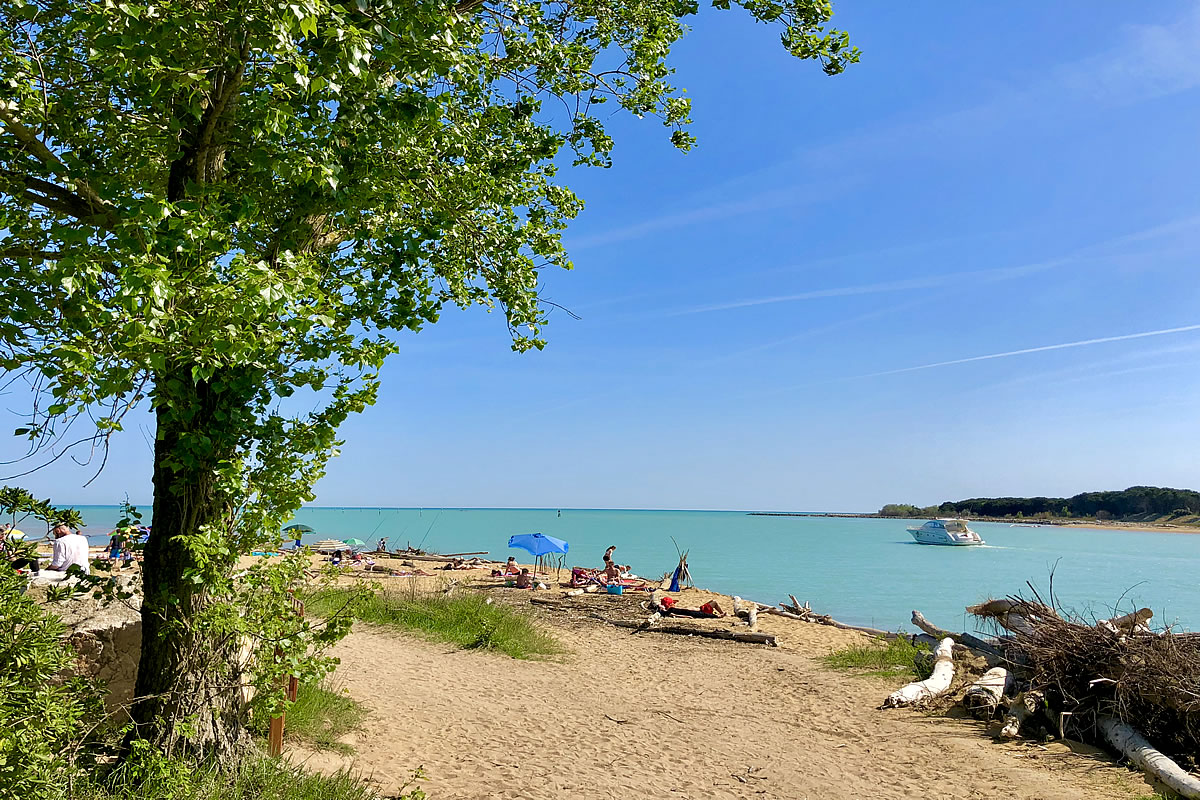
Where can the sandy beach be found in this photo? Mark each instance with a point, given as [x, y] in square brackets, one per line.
[673, 716]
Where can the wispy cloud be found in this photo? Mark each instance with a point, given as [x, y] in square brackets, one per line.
[1150, 61]
[1088, 253]
[1125, 337]
[763, 201]
[906, 284]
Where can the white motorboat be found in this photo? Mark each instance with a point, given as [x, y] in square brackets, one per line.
[945, 531]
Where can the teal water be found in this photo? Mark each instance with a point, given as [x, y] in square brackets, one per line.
[862, 571]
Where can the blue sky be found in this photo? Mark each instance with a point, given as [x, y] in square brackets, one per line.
[914, 282]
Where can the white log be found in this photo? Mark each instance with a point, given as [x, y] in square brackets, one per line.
[1127, 623]
[752, 618]
[1134, 746]
[938, 683]
[984, 696]
[1020, 708]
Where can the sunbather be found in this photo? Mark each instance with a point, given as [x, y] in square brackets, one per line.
[668, 607]
[524, 580]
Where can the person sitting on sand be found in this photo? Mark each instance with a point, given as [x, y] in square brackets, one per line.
[70, 550]
[524, 580]
[612, 572]
[336, 558]
[510, 566]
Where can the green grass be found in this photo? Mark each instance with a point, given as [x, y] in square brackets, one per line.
[465, 619]
[882, 657]
[320, 716]
[253, 779]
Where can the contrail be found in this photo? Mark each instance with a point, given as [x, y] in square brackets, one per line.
[929, 282]
[1044, 348]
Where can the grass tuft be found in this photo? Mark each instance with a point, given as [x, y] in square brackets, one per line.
[252, 779]
[321, 715]
[465, 619]
[883, 657]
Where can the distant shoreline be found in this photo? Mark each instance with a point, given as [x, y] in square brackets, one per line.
[1138, 527]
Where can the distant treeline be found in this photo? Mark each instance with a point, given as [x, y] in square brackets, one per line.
[1132, 502]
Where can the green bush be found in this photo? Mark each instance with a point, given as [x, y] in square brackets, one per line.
[44, 717]
[466, 619]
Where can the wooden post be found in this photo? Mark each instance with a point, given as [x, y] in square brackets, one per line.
[275, 730]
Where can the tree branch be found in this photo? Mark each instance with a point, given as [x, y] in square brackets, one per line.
[86, 197]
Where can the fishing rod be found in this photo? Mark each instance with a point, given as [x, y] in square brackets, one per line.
[427, 530]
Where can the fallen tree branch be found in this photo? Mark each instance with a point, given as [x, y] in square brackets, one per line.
[965, 639]
[936, 684]
[753, 638]
[1131, 744]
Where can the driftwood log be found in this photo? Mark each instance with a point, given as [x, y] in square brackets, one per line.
[984, 696]
[936, 684]
[1020, 708]
[1126, 740]
[737, 636]
[965, 639]
[1127, 624]
[408, 557]
[1016, 615]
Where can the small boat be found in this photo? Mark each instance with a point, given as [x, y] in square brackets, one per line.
[945, 531]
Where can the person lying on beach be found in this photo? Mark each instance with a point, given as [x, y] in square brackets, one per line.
[668, 607]
[524, 580]
[581, 576]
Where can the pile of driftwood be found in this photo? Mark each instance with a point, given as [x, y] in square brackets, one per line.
[1114, 682]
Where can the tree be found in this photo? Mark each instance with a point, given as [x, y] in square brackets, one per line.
[230, 211]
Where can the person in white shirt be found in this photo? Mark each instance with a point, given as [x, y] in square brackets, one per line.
[69, 548]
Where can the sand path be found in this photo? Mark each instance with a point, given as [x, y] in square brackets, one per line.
[677, 717]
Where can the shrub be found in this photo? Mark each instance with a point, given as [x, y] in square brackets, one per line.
[44, 716]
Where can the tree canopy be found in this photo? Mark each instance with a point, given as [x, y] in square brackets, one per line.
[231, 209]
[1134, 501]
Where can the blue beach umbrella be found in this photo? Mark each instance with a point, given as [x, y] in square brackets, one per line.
[538, 544]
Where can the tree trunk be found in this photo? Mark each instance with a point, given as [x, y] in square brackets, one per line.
[188, 699]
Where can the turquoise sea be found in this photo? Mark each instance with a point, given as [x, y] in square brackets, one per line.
[862, 571]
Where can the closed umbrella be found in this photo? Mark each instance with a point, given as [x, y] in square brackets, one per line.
[538, 544]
